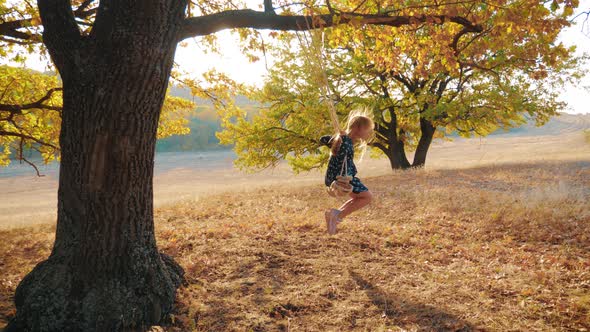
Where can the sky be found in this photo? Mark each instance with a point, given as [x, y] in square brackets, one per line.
[193, 59]
[578, 97]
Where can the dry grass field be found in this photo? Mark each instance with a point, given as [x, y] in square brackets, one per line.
[502, 248]
[494, 246]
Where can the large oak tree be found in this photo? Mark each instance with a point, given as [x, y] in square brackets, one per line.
[114, 58]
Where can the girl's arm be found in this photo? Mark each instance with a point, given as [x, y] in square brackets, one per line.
[326, 140]
[332, 142]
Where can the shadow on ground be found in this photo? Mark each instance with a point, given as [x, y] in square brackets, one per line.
[409, 315]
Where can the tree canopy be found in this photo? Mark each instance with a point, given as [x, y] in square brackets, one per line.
[417, 79]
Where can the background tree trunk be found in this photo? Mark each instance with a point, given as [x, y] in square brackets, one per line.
[397, 155]
[105, 272]
[427, 133]
[391, 143]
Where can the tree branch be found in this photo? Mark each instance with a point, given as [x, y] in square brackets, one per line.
[458, 36]
[248, 18]
[33, 165]
[81, 10]
[390, 108]
[25, 136]
[293, 134]
[10, 29]
[22, 158]
[37, 104]
[60, 33]
[379, 146]
[403, 80]
[268, 9]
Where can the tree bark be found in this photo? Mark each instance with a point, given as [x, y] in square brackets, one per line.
[105, 272]
[394, 147]
[427, 130]
[397, 155]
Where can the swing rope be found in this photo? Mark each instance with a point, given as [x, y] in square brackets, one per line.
[341, 185]
[318, 64]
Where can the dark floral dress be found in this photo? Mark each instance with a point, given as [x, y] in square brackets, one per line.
[335, 163]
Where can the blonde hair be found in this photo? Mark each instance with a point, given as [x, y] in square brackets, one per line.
[360, 117]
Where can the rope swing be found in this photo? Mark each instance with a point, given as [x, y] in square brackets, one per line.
[319, 68]
[341, 186]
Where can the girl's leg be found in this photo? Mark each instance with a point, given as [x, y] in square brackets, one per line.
[347, 203]
[333, 216]
[358, 201]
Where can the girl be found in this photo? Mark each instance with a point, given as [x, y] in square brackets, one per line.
[359, 131]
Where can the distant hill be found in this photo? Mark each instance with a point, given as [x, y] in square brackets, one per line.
[186, 93]
[206, 124]
[558, 125]
[203, 125]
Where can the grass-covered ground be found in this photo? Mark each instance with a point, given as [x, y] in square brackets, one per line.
[495, 248]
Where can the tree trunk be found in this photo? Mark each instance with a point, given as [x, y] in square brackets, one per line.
[427, 133]
[105, 272]
[391, 143]
[397, 155]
